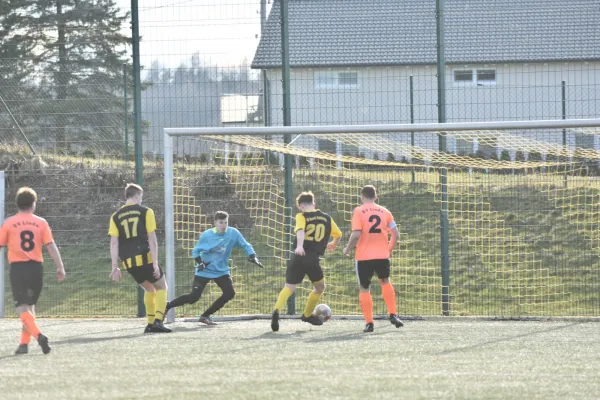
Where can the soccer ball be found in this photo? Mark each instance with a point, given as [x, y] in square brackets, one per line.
[323, 312]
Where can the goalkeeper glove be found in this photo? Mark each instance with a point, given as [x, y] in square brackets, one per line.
[200, 265]
[253, 259]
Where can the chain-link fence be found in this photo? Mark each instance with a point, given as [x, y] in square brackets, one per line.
[66, 114]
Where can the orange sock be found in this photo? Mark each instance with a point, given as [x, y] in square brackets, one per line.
[366, 305]
[25, 336]
[389, 296]
[28, 321]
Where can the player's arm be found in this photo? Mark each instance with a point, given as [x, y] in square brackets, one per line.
[299, 230]
[394, 239]
[3, 236]
[153, 244]
[336, 234]
[57, 259]
[244, 245]
[356, 231]
[393, 229]
[198, 250]
[48, 240]
[115, 273]
[152, 241]
[247, 247]
[113, 232]
[352, 242]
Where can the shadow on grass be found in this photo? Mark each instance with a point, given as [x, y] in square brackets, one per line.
[507, 339]
[278, 335]
[86, 340]
[81, 340]
[348, 337]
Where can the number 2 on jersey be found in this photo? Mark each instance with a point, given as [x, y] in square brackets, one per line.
[318, 230]
[134, 223]
[375, 227]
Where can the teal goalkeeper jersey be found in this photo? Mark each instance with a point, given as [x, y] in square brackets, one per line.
[215, 250]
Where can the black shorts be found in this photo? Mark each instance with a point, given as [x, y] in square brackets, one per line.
[365, 270]
[299, 266]
[144, 273]
[26, 281]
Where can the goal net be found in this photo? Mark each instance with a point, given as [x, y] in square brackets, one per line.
[495, 219]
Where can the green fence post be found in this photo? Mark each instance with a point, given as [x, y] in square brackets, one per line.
[137, 121]
[412, 121]
[287, 121]
[444, 224]
[126, 109]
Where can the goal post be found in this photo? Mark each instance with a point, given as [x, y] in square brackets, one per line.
[523, 199]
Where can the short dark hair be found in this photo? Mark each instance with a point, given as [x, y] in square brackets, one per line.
[25, 198]
[305, 198]
[219, 215]
[132, 189]
[369, 192]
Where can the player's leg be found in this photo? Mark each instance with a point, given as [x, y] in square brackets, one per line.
[144, 276]
[149, 303]
[139, 274]
[294, 274]
[24, 341]
[364, 273]
[190, 298]
[284, 295]
[160, 285]
[388, 292]
[26, 282]
[315, 274]
[19, 291]
[225, 283]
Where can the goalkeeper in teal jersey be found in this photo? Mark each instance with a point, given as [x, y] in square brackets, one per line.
[211, 254]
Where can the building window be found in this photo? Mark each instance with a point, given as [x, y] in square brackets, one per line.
[465, 76]
[475, 77]
[336, 80]
[486, 76]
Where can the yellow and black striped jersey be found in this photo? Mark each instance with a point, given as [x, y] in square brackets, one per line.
[318, 228]
[131, 224]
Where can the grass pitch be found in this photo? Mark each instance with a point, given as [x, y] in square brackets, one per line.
[454, 358]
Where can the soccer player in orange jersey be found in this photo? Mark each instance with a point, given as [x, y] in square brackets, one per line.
[25, 234]
[372, 225]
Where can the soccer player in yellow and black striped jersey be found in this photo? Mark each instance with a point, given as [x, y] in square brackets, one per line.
[313, 230]
[133, 241]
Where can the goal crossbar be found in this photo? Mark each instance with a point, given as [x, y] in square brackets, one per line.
[384, 128]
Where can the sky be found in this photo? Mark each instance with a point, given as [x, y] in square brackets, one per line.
[224, 33]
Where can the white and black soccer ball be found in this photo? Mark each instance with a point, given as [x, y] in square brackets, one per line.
[323, 312]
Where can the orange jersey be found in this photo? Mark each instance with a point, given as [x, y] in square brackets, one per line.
[25, 234]
[375, 223]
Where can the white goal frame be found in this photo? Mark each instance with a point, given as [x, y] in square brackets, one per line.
[169, 133]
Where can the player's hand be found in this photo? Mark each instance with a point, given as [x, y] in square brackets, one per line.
[200, 266]
[253, 259]
[331, 247]
[346, 251]
[60, 274]
[156, 272]
[115, 275]
[300, 251]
